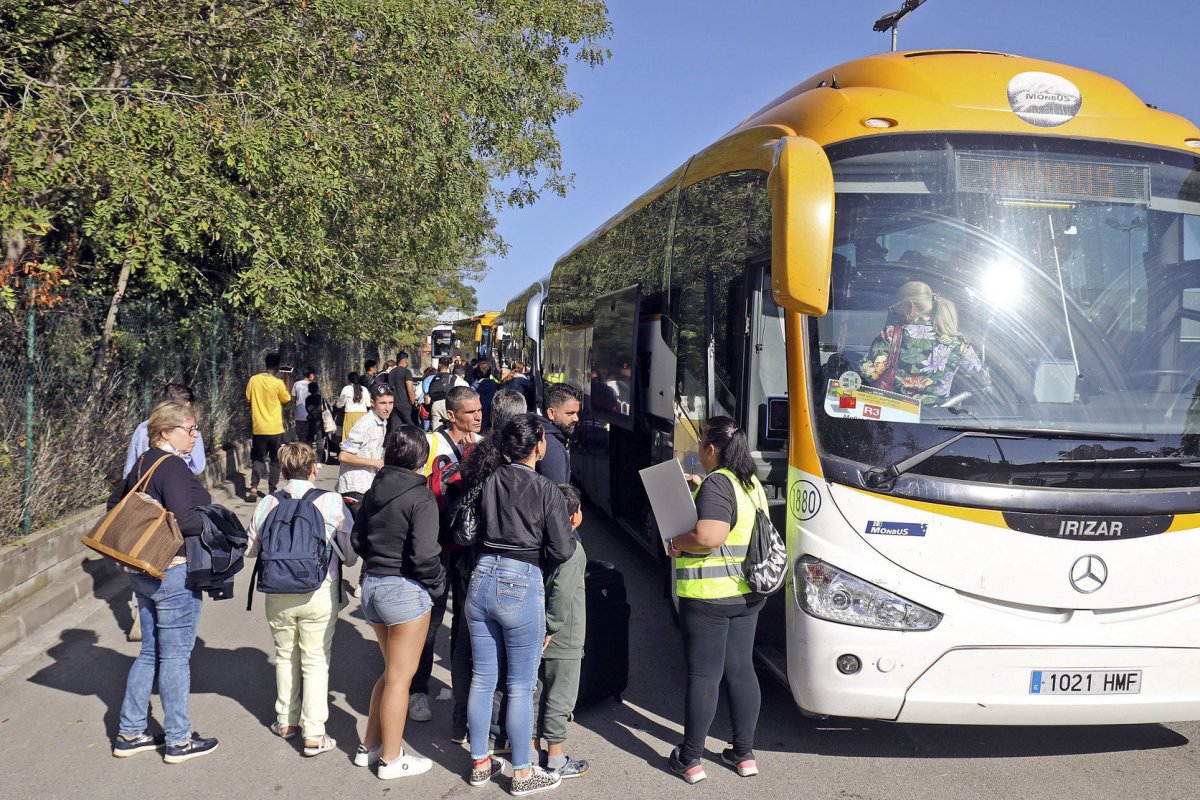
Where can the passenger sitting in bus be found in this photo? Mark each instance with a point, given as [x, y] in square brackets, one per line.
[924, 354]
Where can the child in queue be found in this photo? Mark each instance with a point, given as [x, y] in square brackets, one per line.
[562, 654]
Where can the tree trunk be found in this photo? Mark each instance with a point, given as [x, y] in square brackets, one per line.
[110, 322]
[14, 247]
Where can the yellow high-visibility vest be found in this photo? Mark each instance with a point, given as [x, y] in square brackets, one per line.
[719, 574]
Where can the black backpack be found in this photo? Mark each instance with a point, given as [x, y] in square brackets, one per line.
[440, 386]
[765, 566]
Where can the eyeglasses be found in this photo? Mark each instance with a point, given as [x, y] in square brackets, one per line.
[192, 430]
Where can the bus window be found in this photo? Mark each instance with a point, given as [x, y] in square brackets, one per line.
[1191, 237]
[729, 341]
[713, 240]
[768, 368]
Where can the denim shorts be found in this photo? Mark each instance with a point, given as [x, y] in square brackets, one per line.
[393, 600]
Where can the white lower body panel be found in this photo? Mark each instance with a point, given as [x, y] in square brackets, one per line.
[990, 686]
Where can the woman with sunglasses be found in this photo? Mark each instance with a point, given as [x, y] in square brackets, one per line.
[169, 611]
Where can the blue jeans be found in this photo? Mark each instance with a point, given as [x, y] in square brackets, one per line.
[393, 600]
[169, 612]
[506, 613]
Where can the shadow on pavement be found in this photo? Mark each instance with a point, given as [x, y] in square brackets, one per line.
[110, 584]
[868, 739]
[355, 663]
[81, 667]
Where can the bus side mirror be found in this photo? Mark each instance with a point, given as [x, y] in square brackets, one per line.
[801, 190]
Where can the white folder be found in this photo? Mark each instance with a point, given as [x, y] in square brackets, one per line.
[670, 499]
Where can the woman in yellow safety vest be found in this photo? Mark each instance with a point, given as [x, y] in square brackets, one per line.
[718, 612]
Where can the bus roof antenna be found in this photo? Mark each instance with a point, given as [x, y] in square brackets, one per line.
[892, 21]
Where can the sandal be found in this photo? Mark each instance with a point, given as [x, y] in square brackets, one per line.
[283, 731]
[323, 744]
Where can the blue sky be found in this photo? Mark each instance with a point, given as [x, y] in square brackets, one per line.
[684, 73]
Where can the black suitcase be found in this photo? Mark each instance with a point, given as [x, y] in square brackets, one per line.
[604, 672]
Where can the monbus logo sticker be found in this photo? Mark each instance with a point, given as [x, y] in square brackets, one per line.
[897, 528]
[1043, 99]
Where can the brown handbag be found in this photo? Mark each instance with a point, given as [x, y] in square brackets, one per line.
[138, 531]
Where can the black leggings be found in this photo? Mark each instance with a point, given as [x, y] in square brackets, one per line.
[718, 643]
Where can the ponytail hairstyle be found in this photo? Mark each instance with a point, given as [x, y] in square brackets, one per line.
[724, 434]
[519, 436]
[927, 302]
[358, 389]
[511, 443]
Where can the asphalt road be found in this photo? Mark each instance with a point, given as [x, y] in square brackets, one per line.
[60, 695]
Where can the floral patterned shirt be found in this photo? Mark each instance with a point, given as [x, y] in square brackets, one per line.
[928, 361]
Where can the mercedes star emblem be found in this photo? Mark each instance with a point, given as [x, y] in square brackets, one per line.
[1088, 574]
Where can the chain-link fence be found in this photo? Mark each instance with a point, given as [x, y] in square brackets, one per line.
[65, 425]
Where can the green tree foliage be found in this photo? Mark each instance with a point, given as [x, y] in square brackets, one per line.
[328, 164]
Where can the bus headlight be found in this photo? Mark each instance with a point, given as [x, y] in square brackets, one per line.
[826, 592]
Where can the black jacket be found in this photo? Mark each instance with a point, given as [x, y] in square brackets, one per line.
[525, 517]
[217, 554]
[396, 529]
[557, 464]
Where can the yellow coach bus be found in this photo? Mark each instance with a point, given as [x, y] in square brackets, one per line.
[475, 337]
[953, 298]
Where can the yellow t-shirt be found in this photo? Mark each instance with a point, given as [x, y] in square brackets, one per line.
[266, 395]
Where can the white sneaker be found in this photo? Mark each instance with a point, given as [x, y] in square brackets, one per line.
[365, 758]
[405, 766]
[418, 708]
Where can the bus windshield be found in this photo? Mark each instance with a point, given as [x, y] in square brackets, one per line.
[1001, 282]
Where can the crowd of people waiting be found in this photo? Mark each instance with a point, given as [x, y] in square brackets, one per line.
[454, 495]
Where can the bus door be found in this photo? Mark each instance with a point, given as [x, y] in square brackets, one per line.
[732, 361]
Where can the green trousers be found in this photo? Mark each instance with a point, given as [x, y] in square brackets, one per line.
[554, 698]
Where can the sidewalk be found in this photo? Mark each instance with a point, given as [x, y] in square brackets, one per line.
[64, 685]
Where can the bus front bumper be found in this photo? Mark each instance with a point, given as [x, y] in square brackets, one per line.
[1013, 686]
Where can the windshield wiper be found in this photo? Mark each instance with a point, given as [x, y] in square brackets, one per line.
[879, 477]
[1053, 433]
[1178, 461]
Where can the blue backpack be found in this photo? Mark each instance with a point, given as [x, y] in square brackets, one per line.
[293, 554]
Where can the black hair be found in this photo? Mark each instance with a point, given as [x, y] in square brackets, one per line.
[483, 369]
[178, 393]
[724, 434]
[310, 371]
[369, 364]
[406, 447]
[444, 361]
[401, 356]
[358, 389]
[459, 395]
[514, 442]
[519, 436]
[272, 361]
[459, 370]
[380, 389]
[571, 495]
[557, 394]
